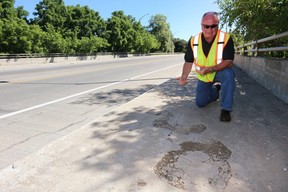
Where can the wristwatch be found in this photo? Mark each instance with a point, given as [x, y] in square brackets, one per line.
[212, 70]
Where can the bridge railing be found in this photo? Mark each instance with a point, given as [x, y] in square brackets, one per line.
[42, 55]
[253, 48]
[270, 67]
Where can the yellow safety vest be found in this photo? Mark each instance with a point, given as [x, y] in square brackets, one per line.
[214, 57]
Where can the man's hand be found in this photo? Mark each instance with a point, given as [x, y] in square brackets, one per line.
[185, 72]
[224, 64]
[203, 70]
[182, 80]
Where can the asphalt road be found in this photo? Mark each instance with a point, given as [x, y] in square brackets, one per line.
[39, 104]
[159, 141]
[27, 87]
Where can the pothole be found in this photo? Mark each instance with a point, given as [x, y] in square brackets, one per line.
[163, 122]
[197, 166]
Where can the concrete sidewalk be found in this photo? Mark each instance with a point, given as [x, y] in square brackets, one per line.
[161, 141]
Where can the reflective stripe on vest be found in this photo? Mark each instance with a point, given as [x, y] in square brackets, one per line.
[220, 46]
[195, 50]
[221, 39]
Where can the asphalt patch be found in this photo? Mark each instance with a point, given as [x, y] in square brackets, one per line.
[197, 166]
[163, 122]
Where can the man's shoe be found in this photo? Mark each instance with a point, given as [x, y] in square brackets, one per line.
[225, 115]
[218, 87]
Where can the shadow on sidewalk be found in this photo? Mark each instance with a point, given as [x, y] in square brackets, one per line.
[189, 147]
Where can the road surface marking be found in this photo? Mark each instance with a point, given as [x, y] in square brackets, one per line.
[81, 93]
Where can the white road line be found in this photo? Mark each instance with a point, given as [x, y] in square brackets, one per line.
[78, 94]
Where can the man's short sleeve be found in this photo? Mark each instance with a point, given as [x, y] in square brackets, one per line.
[228, 52]
[189, 57]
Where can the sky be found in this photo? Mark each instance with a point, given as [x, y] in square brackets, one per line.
[183, 16]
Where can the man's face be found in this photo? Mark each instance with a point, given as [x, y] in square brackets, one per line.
[209, 26]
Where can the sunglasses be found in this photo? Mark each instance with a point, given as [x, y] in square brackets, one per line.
[210, 26]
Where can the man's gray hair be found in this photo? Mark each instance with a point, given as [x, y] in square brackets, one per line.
[210, 12]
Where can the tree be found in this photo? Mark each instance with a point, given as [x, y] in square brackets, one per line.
[120, 32]
[147, 43]
[84, 30]
[57, 28]
[255, 19]
[143, 41]
[180, 45]
[15, 37]
[91, 45]
[37, 37]
[159, 27]
[53, 41]
[85, 21]
[7, 10]
[52, 12]
[22, 14]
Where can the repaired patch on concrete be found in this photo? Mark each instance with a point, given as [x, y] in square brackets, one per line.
[197, 166]
[163, 122]
[197, 128]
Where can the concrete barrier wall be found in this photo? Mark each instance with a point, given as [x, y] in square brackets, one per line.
[270, 73]
[42, 60]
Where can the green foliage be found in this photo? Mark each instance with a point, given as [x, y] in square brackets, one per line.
[255, 19]
[57, 28]
[37, 38]
[120, 32]
[125, 34]
[53, 41]
[85, 21]
[160, 28]
[7, 10]
[22, 14]
[15, 36]
[148, 42]
[91, 45]
[144, 41]
[180, 45]
[52, 12]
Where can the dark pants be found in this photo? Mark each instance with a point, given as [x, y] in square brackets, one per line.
[207, 93]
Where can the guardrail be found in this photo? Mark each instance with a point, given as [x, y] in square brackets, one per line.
[36, 58]
[266, 69]
[254, 48]
[42, 55]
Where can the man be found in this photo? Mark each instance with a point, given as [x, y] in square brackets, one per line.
[212, 52]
